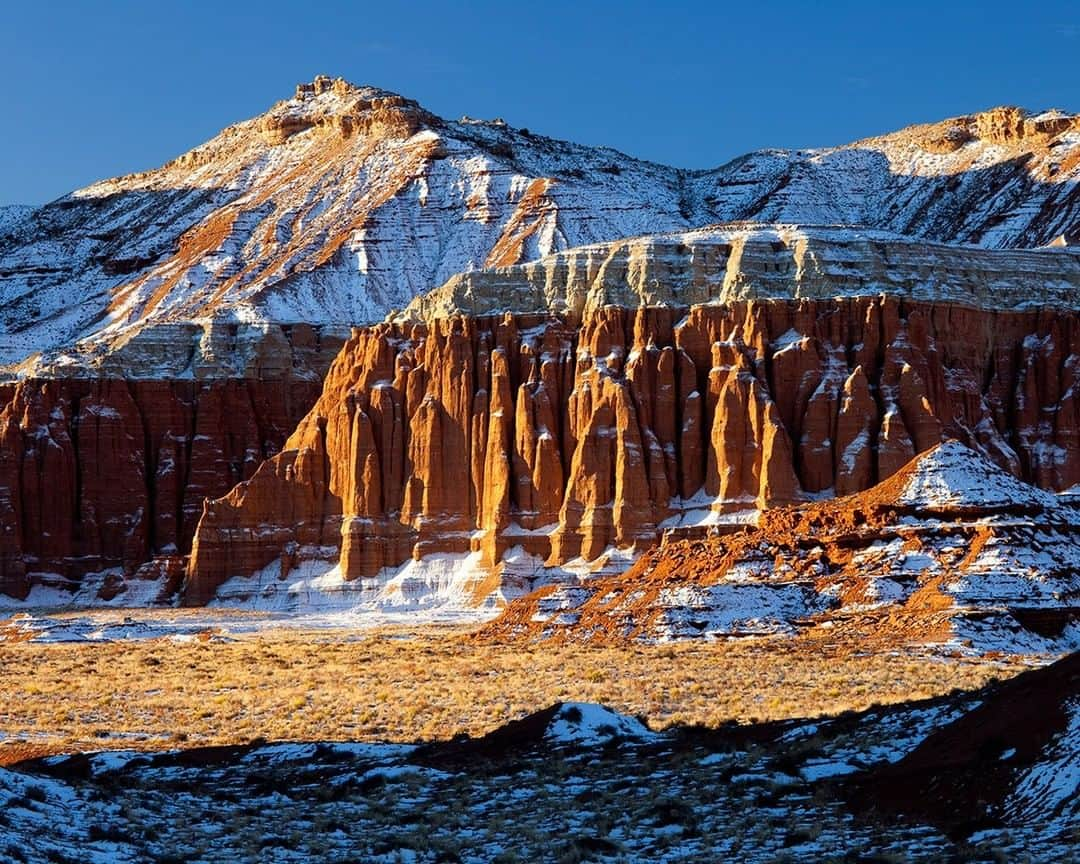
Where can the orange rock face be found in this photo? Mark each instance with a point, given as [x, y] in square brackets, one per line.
[105, 472]
[478, 434]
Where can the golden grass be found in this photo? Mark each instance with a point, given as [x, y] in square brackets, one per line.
[386, 685]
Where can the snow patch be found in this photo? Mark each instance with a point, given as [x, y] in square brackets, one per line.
[586, 724]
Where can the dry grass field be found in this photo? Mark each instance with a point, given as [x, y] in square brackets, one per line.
[406, 686]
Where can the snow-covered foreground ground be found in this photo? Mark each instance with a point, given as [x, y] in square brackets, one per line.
[578, 782]
[52, 624]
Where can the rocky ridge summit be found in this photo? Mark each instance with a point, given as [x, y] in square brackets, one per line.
[950, 550]
[344, 202]
[332, 208]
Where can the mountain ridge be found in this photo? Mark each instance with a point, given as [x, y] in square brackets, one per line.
[603, 389]
[738, 261]
[343, 202]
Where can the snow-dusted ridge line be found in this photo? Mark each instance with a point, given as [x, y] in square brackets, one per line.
[343, 203]
[723, 263]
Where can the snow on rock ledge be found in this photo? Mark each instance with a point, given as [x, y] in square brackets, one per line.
[730, 262]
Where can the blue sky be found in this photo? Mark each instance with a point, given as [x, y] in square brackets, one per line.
[96, 89]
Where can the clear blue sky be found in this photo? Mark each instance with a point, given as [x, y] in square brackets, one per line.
[95, 89]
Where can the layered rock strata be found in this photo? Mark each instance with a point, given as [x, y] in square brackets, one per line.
[343, 203]
[741, 261]
[204, 350]
[567, 437]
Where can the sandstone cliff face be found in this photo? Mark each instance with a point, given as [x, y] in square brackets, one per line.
[568, 437]
[102, 473]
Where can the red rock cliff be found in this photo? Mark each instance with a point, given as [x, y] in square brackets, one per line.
[484, 433]
[98, 473]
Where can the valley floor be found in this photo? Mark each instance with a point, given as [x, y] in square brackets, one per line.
[204, 738]
[239, 681]
[576, 782]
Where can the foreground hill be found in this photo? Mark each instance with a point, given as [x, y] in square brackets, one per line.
[951, 550]
[980, 776]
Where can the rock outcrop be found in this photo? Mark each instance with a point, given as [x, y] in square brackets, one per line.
[741, 261]
[1002, 763]
[951, 549]
[343, 110]
[186, 317]
[212, 349]
[108, 473]
[566, 438]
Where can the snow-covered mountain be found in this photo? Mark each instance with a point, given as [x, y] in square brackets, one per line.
[333, 207]
[1000, 178]
[345, 202]
[11, 215]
